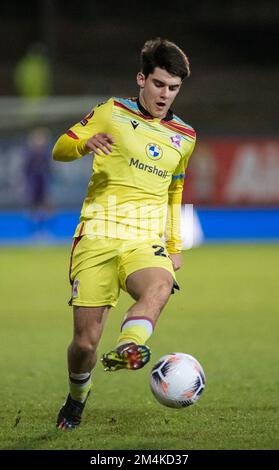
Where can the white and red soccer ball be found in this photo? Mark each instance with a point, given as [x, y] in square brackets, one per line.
[177, 380]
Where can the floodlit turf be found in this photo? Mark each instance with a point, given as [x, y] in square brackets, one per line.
[226, 315]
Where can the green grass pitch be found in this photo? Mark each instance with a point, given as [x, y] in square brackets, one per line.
[226, 315]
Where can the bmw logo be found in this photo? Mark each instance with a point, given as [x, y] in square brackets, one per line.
[154, 151]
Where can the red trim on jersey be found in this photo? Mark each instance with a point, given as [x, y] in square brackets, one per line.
[180, 128]
[81, 229]
[75, 242]
[72, 134]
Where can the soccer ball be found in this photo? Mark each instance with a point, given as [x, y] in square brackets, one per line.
[177, 380]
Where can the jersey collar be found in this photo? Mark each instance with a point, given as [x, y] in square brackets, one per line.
[143, 111]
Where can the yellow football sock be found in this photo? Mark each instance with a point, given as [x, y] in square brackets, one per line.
[135, 330]
[79, 384]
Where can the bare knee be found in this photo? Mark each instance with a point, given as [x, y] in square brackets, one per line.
[83, 348]
[162, 287]
[88, 327]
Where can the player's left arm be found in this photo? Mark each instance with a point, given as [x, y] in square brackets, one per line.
[173, 225]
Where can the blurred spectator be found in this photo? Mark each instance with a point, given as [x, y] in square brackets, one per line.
[37, 172]
[32, 75]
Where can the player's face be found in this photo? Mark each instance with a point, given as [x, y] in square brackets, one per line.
[158, 91]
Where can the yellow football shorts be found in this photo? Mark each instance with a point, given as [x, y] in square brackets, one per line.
[99, 267]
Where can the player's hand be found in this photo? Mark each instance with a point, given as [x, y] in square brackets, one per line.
[100, 143]
[177, 260]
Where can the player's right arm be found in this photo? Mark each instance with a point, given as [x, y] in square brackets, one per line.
[90, 135]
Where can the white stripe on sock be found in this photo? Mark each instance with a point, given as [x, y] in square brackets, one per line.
[83, 376]
[146, 324]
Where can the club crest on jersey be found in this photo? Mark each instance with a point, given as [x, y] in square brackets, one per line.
[176, 141]
[154, 151]
[75, 288]
[84, 121]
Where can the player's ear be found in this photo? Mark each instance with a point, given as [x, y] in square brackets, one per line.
[140, 79]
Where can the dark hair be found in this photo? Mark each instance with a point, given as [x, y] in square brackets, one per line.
[166, 55]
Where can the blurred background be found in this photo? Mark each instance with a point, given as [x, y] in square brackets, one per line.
[59, 59]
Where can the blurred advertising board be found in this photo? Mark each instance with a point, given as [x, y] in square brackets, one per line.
[233, 172]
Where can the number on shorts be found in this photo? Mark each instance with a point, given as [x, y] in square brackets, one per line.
[160, 250]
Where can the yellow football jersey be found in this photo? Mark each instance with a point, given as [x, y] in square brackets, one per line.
[136, 190]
